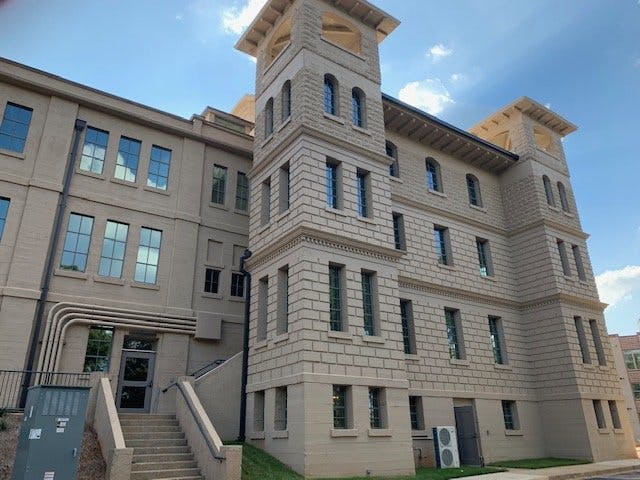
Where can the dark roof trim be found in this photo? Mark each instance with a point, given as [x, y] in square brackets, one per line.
[458, 131]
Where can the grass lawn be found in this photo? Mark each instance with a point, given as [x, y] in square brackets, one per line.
[535, 463]
[257, 465]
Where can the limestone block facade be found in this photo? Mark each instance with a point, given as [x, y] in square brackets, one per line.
[626, 351]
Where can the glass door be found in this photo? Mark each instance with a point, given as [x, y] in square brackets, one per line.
[135, 381]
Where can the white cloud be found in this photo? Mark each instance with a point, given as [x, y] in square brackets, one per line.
[456, 77]
[547, 105]
[235, 19]
[179, 17]
[617, 286]
[439, 51]
[430, 95]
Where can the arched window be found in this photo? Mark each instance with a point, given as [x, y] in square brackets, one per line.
[268, 118]
[434, 181]
[357, 108]
[330, 95]
[392, 151]
[340, 31]
[279, 40]
[473, 189]
[551, 201]
[564, 203]
[286, 100]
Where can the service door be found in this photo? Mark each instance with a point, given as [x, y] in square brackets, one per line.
[468, 438]
[135, 381]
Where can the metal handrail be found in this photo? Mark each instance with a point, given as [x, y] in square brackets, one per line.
[207, 368]
[14, 382]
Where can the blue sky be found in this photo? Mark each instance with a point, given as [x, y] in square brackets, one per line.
[460, 60]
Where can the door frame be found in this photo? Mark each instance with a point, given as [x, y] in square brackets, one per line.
[148, 383]
[476, 427]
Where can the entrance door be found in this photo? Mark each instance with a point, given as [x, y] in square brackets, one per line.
[468, 437]
[135, 381]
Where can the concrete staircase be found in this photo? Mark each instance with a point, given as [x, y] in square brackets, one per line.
[160, 449]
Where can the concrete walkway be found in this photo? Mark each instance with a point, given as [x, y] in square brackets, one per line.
[591, 470]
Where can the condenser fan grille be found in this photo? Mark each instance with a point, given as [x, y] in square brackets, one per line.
[445, 437]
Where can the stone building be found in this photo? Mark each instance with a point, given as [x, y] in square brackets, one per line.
[626, 352]
[405, 273]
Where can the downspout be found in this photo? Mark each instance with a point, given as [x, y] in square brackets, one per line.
[78, 128]
[245, 346]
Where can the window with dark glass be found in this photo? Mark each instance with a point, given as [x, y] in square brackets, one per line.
[286, 100]
[597, 342]
[582, 340]
[454, 335]
[357, 107]
[408, 327]
[636, 390]
[237, 285]
[416, 413]
[368, 306]
[98, 354]
[332, 184]
[127, 159]
[283, 300]
[562, 193]
[510, 415]
[341, 407]
[473, 190]
[564, 260]
[268, 118]
[335, 298]
[159, 164]
[258, 411]
[263, 309]
[398, 231]
[615, 416]
[495, 336]
[114, 247]
[548, 191]
[362, 179]
[376, 413]
[148, 256]
[242, 192]
[597, 407]
[219, 184]
[441, 238]
[280, 418]
[577, 258]
[632, 359]
[4, 211]
[211, 280]
[285, 193]
[76, 243]
[392, 151]
[434, 181]
[330, 95]
[484, 257]
[94, 150]
[265, 206]
[15, 127]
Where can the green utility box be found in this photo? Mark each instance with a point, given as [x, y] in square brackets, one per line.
[51, 433]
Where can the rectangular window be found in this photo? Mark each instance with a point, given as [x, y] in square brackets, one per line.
[211, 280]
[285, 193]
[265, 207]
[114, 247]
[564, 260]
[280, 418]
[219, 184]
[398, 231]
[148, 256]
[597, 342]
[283, 300]
[454, 333]
[335, 297]
[377, 414]
[258, 411]
[332, 178]
[441, 237]
[582, 340]
[495, 333]
[364, 203]
[597, 407]
[341, 407]
[242, 192]
[371, 327]
[484, 257]
[636, 390]
[408, 328]
[577, 257]
[76, 243]
[632, 359]
[159, 164]
[510, 415]
[237, 285]
[416, 413]
[98, 354]
[615, 417]
[4, 211]
[127, 159]
[263, 310]
[94, 150]
[15, 127]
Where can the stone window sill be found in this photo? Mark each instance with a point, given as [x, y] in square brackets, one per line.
[236, 299]
[280, 434]
[344, 432]
[445, 266]
[334, 118]
[411, 357]
[266, 140]
[108, 280]
[618, 431]
[283, 337]
[460, 362]
[286, 122]
[61, 272]
[213, 296]
[145, 286]
[11, 153]
[502, 366]
[488, 278]
[339, 335]
[436, 193]
[335, 211]
[380, 432]
[368, 220]
[282, 215]
[124, 182]
[260, 345]
[514, 433]
[569, 279]
[362, 130]
[156, 190]
[257, 436]
[568, 214]
[604, 431]
[395, 179]
[219, 206]
[555, 209]
[373, 339]
[99, 176]
[478, 207]
[263, 228]
[241, 212]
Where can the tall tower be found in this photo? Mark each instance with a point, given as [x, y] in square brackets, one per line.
[327, 387]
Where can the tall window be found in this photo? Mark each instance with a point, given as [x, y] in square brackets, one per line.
[416, 413]
[564, 260]
[597, 407]
[265, 206]
[615, 417]
[285, 188]
[283, 300]
[632, 359]
[434, 181]
[15, 127]
[258, 411]
[582, 340]
[114, 247]
[392, 151]
[263, 299]
[94, 150]
[408, 327]
[357, 107]
[364, 209]
[562, 193]
[237, 285]
[495, 335]
[398, 231]
[577, 258]
[341, 401]
[473, 190]
[454, 337]
[335, 298]
[242, 192]
[484, 257]
[376, 413]
[332, 184]
[159, 164]
[211, 280]
[510, 415]
[268, 118]
[636, 390]
[330, 95]
[280, 418]
[148, 255]
[4, 211]
[597, 342]
[76, 243]
[96, 358]
[127, 159]
[219, 184]
[368, 307]
[286, 100]
[441, 238]
[548, 191]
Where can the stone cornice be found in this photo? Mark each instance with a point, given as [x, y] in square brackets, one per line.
[545, 222]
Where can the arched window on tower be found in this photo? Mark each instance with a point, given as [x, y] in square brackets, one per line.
[551, 201]
[473, 189]
[268, 118]
[392, 151]
[330, 95]
[286, 100]
[341, 32]
[434, 180]
[358, 108]
[562, 193]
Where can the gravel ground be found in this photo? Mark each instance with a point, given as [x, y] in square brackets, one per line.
[91, 467]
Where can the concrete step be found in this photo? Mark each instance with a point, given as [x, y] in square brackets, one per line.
[150, 442]
[145, 416]
[183, 478]
[143, 435]
[157, 422]
[165, 465]
[149, 428]
[162, 474]
[162, 457]
[156, 450]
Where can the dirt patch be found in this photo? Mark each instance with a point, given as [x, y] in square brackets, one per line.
[91, 466]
